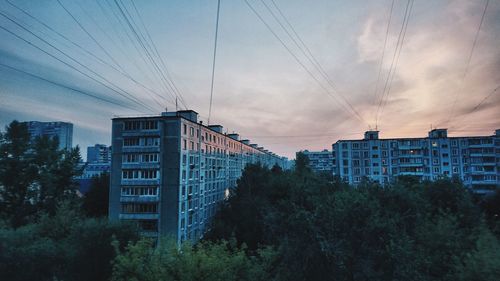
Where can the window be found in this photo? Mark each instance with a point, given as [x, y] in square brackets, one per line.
[435, 170]
[130, 174]
[132, 125]
[130, 158]
[150, 125]
[153, 157]
[130, 141]
[149, 174]
[184, 144]
[139, 191]
[191, 131]
[184, 129]
[128, 208]
[151, 141]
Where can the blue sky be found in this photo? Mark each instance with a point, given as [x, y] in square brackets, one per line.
[260, 90]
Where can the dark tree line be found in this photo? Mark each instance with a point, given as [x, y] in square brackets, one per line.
[46, 231]
[324, 230]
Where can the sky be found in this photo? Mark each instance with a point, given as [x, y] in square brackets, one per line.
[444, 73]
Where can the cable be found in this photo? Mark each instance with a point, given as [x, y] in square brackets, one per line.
[308, 54]
[395, 58]
[297, 59]
[213, 62]
[162, 63]
[82, 49]
[86, 93]
[126, 95]
[478, 105]
[383, 53]
[452, 113]
[123, 12]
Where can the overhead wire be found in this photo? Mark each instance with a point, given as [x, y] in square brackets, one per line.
[383, 52]
[131, 24]
[155, 49]
[137, 46]
[84, 50]
[299, 61]
[467, 65]
[86, 93]
[213, 61]
[307, 53]
[123, 93]
[477, 106]
[395, 59]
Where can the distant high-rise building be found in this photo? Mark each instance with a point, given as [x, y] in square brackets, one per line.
[169, 172]
[99, 153]
[320, 161]
[475, 160]
[63, 131]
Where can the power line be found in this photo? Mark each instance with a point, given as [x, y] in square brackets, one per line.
[383, 52]
[395, 59]
[452, 113]
[213, 62]
[297, 59]
[124, 29]
[155, 49]
[83, 49]
[163, 64]
[124, 94]
[124, 12]
[308, 54]
[479, 104]
[86, 93]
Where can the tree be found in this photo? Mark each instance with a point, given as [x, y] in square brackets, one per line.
[17, 174]
[34, 174]
[62, 246]
[96, 200]
[206, 261]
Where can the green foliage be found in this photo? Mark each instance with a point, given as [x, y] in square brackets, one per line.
[64, 246]
[96, 200]
[34, 175]
[207, 261]
[406, 231]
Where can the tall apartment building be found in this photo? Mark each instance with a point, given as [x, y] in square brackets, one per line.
[62, 130]
[99, 153]
[169, 172]
[320, 161]
[475, 160]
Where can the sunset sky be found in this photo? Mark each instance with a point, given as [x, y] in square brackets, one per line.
[260, 90]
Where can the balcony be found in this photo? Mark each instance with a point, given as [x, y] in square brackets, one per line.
[143, 165]
[140, 148]
[141, 133]
[138, 216]
[140, 182]
[139, 199]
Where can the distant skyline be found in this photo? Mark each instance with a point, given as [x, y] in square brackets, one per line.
[260, 90]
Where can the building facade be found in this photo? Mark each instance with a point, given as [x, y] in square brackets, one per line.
[99, 153]
[63, 131]
[475, 160]
[320, 161]
[170, 172]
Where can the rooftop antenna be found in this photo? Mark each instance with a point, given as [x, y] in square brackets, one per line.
[176, 103]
